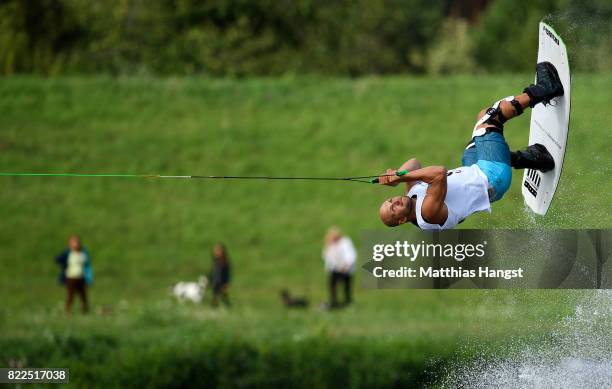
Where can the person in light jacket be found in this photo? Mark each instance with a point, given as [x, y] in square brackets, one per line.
[339, 255]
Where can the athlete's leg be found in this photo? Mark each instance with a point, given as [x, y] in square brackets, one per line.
[492, 151]
[502, 111]
[547, 87]
[533, 157]
[469, 154]
[488, 146]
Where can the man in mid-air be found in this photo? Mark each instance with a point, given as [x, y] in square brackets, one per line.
[438, 199]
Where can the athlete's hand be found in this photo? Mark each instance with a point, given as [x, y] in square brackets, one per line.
[389, 178]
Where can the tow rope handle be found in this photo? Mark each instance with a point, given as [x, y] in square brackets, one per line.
[399, 173]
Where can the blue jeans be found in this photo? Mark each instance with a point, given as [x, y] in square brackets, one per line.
[492, 155]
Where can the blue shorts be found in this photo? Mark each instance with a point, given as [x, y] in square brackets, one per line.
[492, 155]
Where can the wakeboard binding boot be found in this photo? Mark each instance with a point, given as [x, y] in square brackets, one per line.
[548, 85]
[533, 157]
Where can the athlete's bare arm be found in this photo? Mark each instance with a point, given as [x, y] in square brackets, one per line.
[433, 210]
[410, 165]
[389, 178]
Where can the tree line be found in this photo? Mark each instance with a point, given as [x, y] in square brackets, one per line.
[279, 37]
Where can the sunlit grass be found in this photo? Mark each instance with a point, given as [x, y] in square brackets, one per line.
[145, 235]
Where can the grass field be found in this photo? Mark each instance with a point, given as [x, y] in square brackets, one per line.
[145, 235]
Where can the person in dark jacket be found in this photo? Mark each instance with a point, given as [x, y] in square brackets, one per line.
[75, 272]
[220, 275]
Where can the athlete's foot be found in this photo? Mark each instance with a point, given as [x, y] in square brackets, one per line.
[533, 157]
[547, 86]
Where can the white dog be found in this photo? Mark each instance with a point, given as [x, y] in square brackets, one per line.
[192, 291]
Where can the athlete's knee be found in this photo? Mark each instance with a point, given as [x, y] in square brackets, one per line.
[480, 115]
[489, 118]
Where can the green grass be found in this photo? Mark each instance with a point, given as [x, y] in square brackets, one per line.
[145, 235]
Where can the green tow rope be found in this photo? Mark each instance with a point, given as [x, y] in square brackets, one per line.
[363, 179]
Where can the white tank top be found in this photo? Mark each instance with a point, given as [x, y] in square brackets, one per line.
[466, 193]
[76, 264]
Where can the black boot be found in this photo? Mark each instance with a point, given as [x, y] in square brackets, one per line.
[533, 157]
[548, 85]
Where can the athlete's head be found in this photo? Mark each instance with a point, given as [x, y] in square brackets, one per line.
[396, 211]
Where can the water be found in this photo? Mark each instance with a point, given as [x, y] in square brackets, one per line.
[577, 355]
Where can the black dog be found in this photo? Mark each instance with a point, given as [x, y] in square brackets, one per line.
[293, 302]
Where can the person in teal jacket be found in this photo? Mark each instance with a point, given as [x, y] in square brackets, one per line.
[75, 272]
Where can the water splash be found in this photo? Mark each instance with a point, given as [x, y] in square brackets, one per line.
[577, 354]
